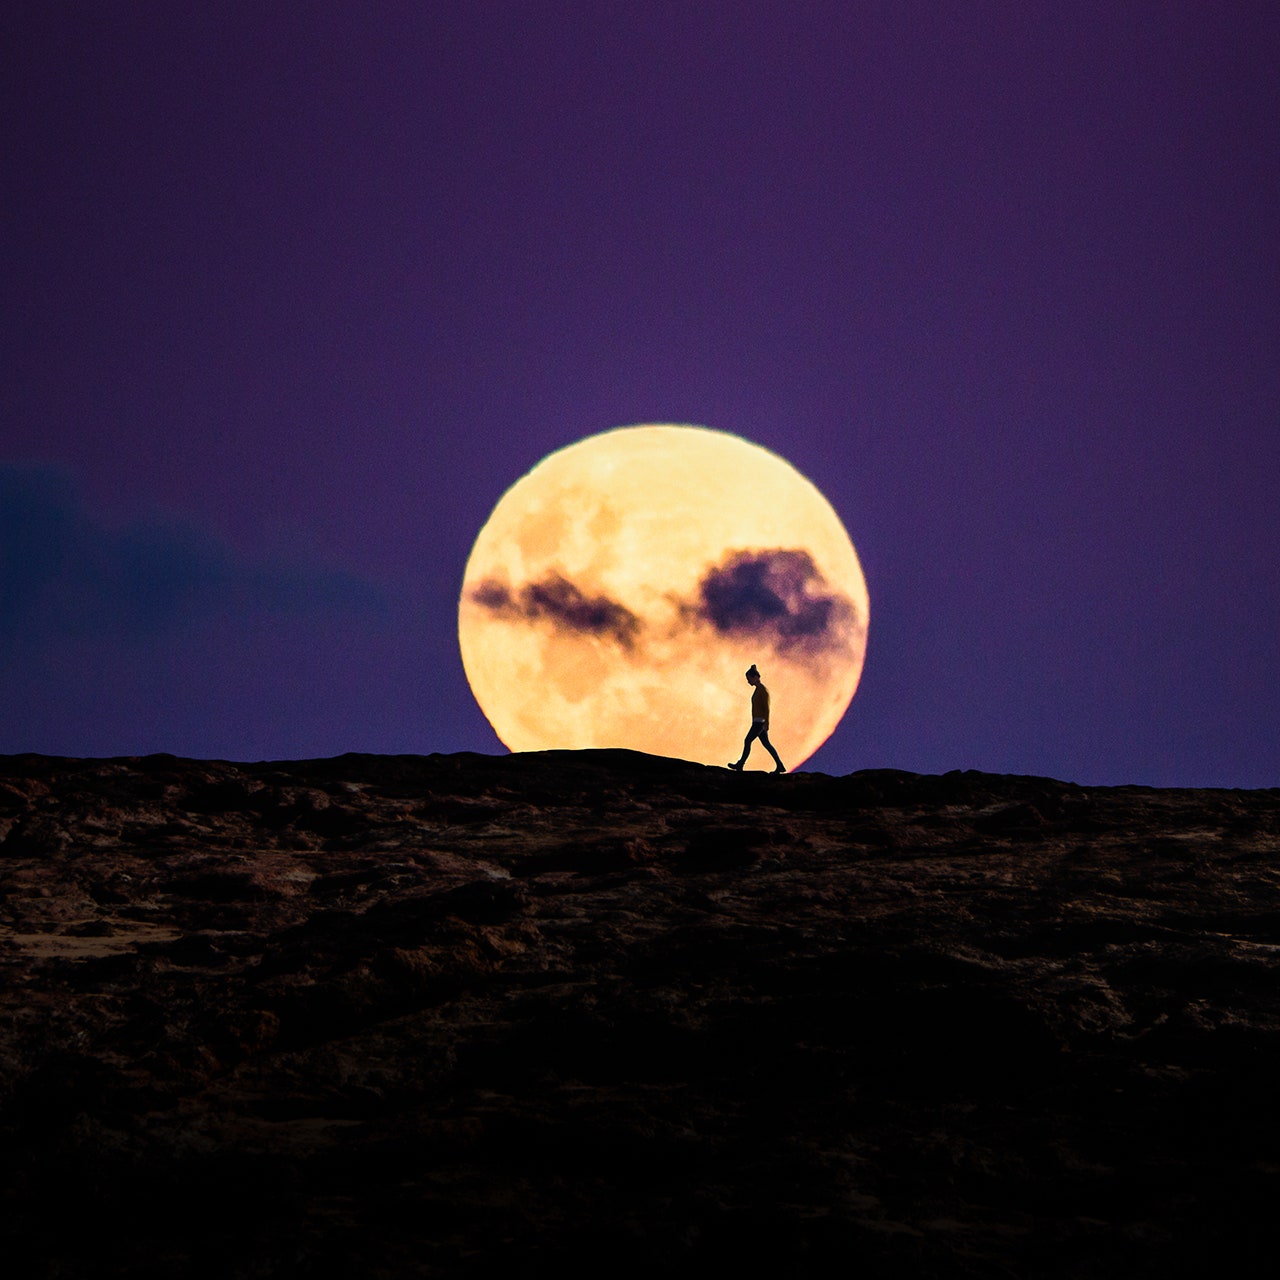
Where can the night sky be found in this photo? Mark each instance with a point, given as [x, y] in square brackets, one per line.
[293, 293]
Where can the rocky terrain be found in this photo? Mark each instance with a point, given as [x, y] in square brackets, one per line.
[463, 1015]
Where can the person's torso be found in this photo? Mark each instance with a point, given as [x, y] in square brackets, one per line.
[760, 703]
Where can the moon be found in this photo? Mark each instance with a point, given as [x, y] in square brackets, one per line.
[620, 589]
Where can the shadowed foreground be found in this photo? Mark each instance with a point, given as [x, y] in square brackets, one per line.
[452, 1015]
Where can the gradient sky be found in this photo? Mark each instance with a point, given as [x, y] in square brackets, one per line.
[293, 293]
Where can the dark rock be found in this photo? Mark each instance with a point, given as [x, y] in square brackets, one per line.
[455, 1015]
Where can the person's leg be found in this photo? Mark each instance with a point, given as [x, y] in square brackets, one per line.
[768, 746]
[746, 746]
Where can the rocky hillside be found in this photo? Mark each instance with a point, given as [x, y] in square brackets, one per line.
[456, 1015]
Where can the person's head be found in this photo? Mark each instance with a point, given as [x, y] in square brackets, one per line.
[753, 676]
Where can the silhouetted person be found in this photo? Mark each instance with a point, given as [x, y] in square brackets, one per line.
[759, 722]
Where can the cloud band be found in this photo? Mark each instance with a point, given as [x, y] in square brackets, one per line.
[777, 596]
[559, 601]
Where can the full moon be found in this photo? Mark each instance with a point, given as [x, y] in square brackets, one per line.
[620, 590]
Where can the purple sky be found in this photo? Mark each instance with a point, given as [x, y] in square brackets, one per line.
[292, 295]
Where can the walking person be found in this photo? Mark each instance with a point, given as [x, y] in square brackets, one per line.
[759, 722]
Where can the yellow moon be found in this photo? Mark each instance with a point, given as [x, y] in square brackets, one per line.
[620, 590]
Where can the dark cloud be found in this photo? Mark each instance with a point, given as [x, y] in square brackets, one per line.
[62, 574]
[557, 600]
[778, 595]
[493, 595]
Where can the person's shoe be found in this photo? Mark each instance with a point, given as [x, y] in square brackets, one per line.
[782, 768]
[737, 768]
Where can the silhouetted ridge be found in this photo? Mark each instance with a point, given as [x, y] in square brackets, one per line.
[449, 1014]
